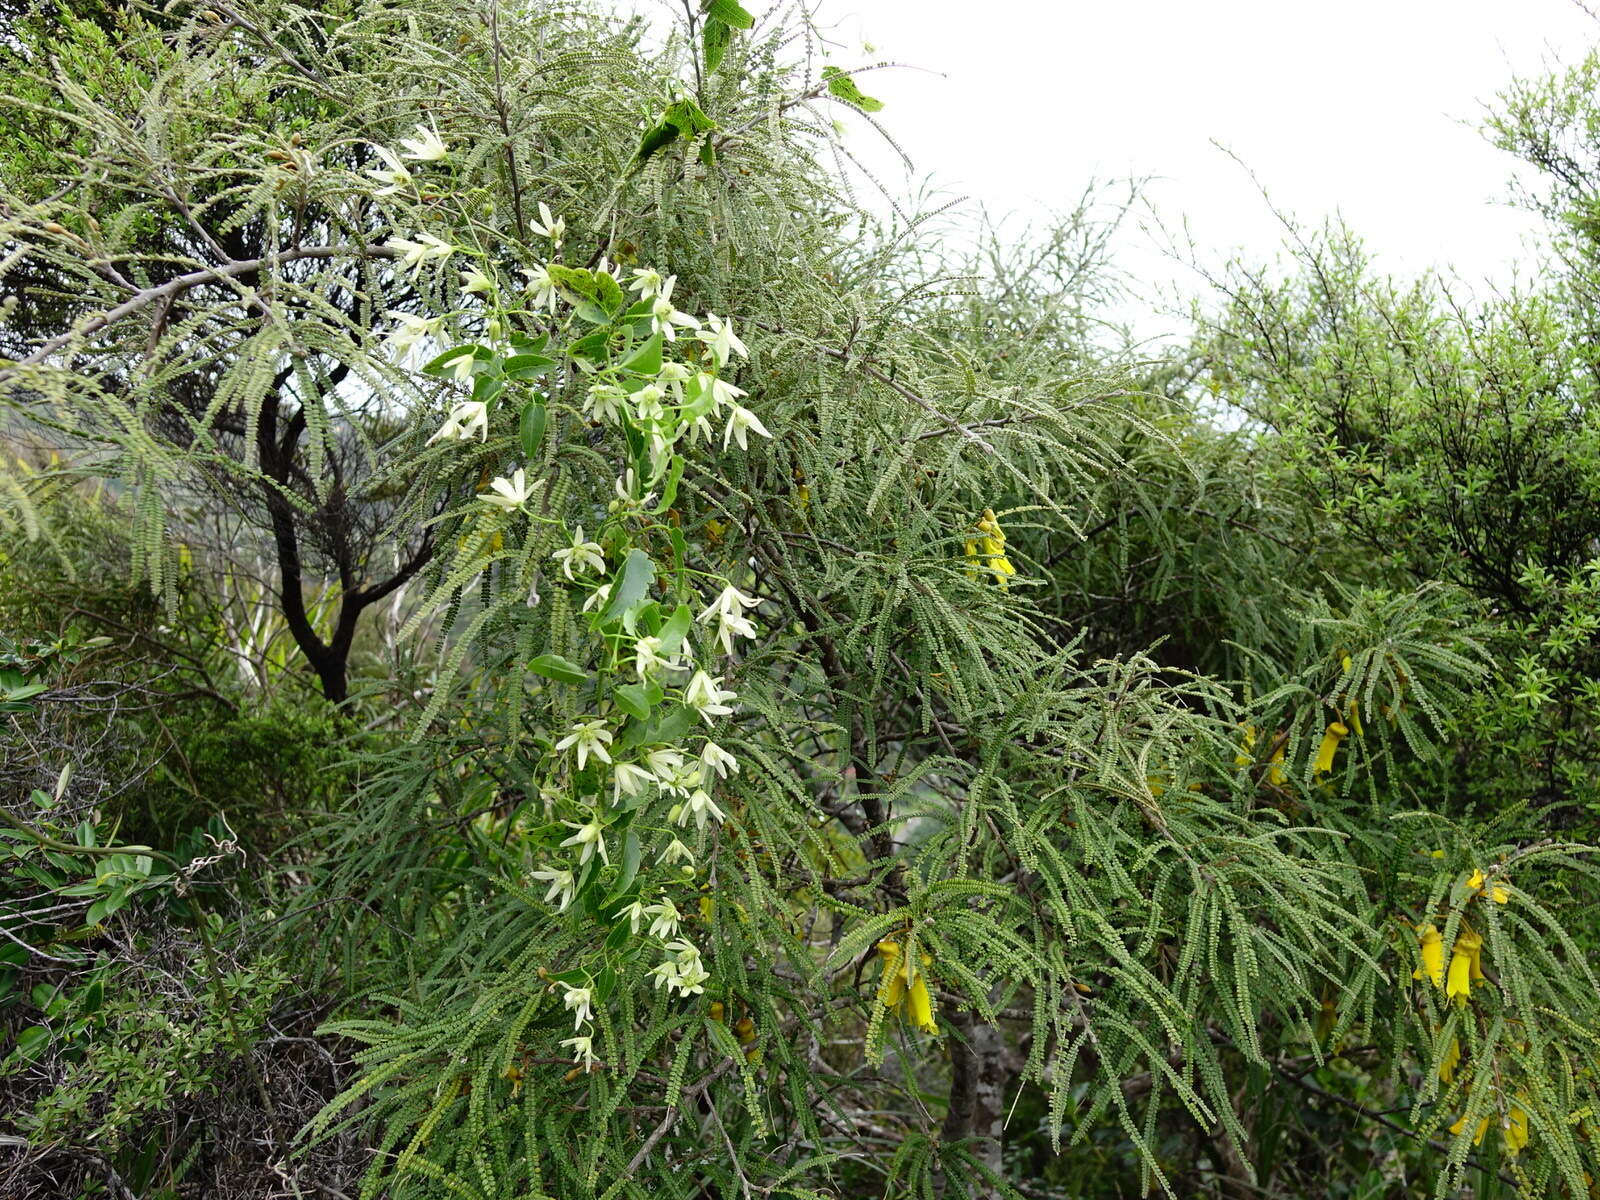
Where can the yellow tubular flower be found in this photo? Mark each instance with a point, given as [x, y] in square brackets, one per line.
[1432, 949]
[1247, 743]
[1275, 772]
[1516, 1132]
[1336, 732]
[1458, 985]
[1475, 882]
[893, 988]
[1355, 719]
[1450, 1061]
[989, 550]
[921, 1005]
[1477, 1137]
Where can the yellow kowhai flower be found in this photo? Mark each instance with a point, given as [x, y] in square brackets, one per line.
[1336, 732]
[1354, 716]
[892, 989]
[1432, 950]
[1477, 1137]
[1247, 743]
[1516, 1130]
[1276, 775]
[1463, 955]
[1475, 883]
[905, 987]
[988, 551]
[921, 1005]
[1450, 1061]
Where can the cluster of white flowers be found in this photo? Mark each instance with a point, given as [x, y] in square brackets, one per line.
[682, 971]
[680, 402]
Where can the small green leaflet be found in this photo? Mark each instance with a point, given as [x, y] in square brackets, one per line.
[670, 491]
[844, 88]
[562, 670]
[632, 583]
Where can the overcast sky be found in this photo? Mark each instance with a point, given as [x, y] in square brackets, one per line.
[1368, 108]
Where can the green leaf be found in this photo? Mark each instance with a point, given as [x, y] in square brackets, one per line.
[617, 938]
[632, 583]
[32, 1041]
[669, 491]
[671, 726]
[592, 346]
[646, 359]
[437, 364]
[631, 699]
[608, 293]
[530, 429]
[527, 366]
[675, 630]
[844, 88]
[663, 133]
[714, 39]
[630, 866]
[729, 12]
[578, 283]
[689, 117]
[562, 670]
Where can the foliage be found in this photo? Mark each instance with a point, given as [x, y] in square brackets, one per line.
[796, 700]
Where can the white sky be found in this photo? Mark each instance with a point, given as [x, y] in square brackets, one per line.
[1368, 108]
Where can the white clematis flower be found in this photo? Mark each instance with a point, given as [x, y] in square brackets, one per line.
[581, 553]
[647, 282]
[541, 285]
[700, 806]
[426, 146]
[409, 330]
[719, 337]
[418, 253]
[739, 421]
[582, 1050]
[714, 760]
[393, 174]
[547, 226]
[706, 697]
[467, 420]
[511, 493]
[562, 886]
[648, 659]
[587, 737]
[666, 917]
[590, 836]
[627, 779]
[578, 1001]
